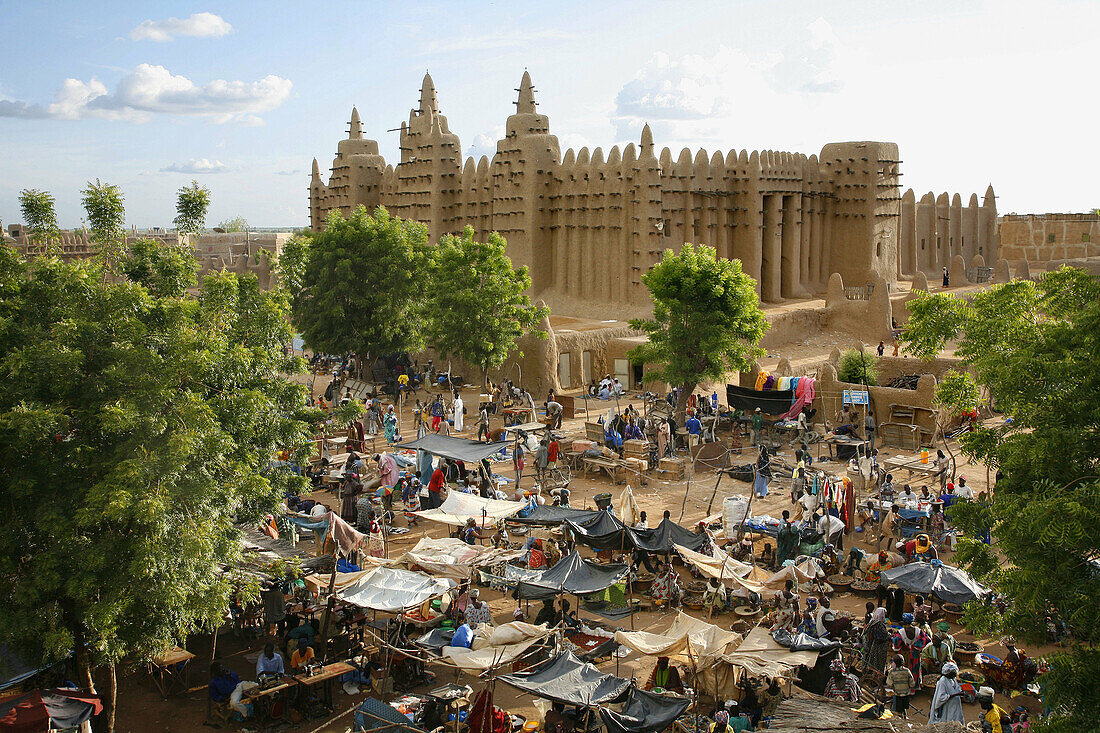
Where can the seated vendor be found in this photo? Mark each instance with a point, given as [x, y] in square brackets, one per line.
[714, 597]
[547, 614]
[665, 677]
[222, 682]
[464, 635]
[302, 656]
[270, 661]
[937, 653]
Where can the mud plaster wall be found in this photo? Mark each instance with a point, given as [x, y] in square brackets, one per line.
[588, 224]
[830, 392]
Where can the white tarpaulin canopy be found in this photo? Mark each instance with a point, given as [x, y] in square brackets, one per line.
[450, 558]
[493, 647]
[459, 507]
[759, 654]
[723, 567]
[803, 571]
[393, 589]
[688, 641]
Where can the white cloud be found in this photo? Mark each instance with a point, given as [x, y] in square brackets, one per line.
[197, 165]
[485, 144]
[198, 25]
[685, 97]
[150, 90]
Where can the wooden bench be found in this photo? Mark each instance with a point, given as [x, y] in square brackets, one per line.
[610, 466]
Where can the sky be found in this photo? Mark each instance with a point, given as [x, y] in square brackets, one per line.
[241, 96]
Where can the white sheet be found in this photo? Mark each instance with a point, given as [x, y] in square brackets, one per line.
[458, 507]
[393, 589]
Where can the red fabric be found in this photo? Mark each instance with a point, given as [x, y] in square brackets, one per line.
[436, 483]
[484, 718]
[32, 713]
[552, 451]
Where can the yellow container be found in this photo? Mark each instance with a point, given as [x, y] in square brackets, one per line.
[531, 726]
[924, 456]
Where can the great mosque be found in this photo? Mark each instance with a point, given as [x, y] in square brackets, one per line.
[588, 225]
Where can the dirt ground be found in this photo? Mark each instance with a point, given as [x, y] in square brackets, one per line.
[140, 707]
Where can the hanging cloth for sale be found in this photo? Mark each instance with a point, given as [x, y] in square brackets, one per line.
[761, 378]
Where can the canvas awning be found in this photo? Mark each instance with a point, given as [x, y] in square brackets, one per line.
[760, 654]
[644, 712]
[688, 641]
[457, 449]
[495, 646]
[946, 582]
[719, 565]
[458, 507]
[803, 571]
[572, 574]
[568, 680]
[392, 589]
[449, 557]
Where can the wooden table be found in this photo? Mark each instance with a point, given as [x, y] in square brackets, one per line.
[310, 610]
[839, 440]
[912, 465]
[327, 674]
[170, 670]
[263, 700]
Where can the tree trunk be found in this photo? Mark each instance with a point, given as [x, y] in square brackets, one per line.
[109, 696]
[686, 390]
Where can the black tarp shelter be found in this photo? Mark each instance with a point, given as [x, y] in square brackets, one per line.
[545, 515]
[457, 449]
[644, 712]
[572, 574]
[570, 681]
[605, 531]
[945, 582]
[770, 402]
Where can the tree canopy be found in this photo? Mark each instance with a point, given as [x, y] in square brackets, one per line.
[39, 214]
[192, 203]
[137, 427]
[363, 286]
[478, 305]
[236, 224]
[105, 208]
[1034, 347]
[706, 319]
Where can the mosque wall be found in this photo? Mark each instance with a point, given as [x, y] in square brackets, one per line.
[589, 224]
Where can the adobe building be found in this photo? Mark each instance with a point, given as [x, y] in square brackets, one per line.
[588, 225]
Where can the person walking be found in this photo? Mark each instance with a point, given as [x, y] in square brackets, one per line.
[517, 461]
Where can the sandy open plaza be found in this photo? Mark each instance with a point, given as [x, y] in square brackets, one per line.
[706, 367]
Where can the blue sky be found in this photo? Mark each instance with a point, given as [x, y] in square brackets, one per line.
[242, 95]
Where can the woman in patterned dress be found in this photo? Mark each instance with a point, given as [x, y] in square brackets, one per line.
[667, 585]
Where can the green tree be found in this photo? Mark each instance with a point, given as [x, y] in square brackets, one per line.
[706, 320]
[166, 271]
[1035, 347]
[137, 431]
[192, 203]
[236, 224]
[478, 304]
[39, 216]
[363, 286]
[105, 208]
[292, 262]
[856, 367]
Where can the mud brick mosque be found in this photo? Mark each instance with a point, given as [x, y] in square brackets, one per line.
[589, 224]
